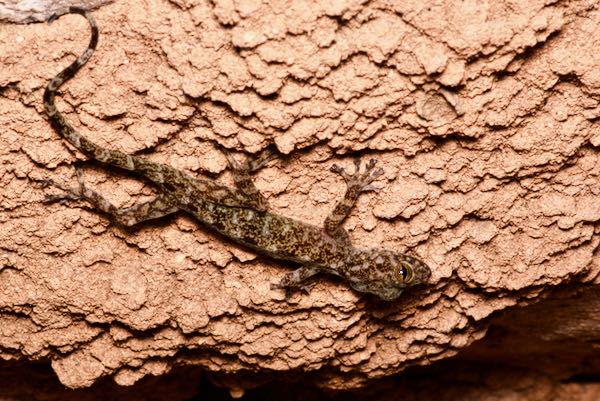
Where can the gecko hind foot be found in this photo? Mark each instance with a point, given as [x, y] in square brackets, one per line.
[357, 180]
[69, 193]
[157, 207]
[81, 192]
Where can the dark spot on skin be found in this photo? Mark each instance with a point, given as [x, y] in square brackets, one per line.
[353, 192]
[192, 207]
[169, 186]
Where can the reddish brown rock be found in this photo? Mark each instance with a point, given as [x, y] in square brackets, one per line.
[484, 115]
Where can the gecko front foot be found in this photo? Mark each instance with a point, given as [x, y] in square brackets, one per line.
[355, 184]
[357, 181]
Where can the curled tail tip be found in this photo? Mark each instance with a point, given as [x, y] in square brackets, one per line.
[66, 10]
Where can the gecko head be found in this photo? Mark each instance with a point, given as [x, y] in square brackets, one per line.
[385, 273]
[403, 270]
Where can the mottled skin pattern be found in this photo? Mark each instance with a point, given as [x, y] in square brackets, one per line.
[240, 213]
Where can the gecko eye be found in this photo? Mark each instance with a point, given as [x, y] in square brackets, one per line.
[406, 272]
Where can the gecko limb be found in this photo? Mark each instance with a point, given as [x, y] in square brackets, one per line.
[155, 208]
[242, 176]
[296, 279]
[355, 184]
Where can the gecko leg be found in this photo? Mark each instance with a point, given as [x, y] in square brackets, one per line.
[242, 176]
[130, 216]
[295, 279]
[355, 184]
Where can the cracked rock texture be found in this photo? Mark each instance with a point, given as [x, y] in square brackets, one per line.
[483, 114]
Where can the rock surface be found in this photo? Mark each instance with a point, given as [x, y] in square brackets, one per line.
[483, 114]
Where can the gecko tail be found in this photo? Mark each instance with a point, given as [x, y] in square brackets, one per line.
[58, 121]
[71, 70]
[66, 10]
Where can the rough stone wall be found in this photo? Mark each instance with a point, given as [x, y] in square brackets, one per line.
[483, 114]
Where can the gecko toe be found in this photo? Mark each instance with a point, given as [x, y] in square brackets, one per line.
[61, 198]
[306, 288]
[341, 171]
[43, 183]
[69, 194]
[264, 157]
[233, 163]
[371, 165]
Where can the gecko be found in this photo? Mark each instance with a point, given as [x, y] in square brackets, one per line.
[240, 213]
